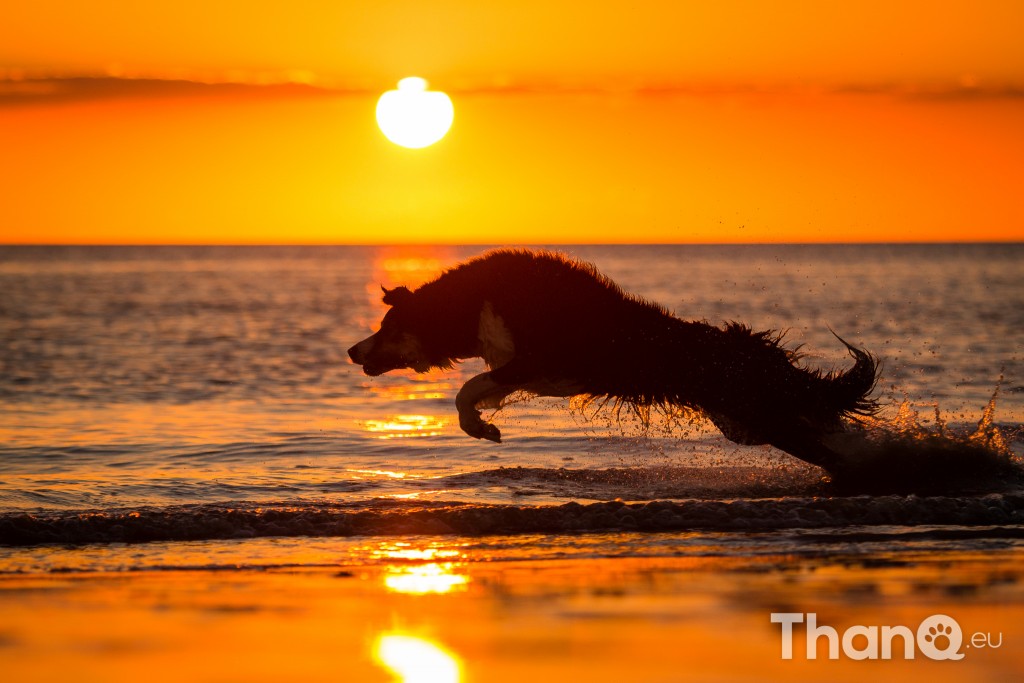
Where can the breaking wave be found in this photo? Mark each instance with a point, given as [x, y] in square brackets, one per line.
[389, 517]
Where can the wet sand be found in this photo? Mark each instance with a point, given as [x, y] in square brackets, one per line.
[426, 610]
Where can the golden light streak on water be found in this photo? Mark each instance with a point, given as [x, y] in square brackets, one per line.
[406, 426]
[417, 660]
[426, 578]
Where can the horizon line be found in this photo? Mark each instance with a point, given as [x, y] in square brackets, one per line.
[37, 245]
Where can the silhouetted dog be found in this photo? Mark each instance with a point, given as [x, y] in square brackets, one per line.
[552, 326]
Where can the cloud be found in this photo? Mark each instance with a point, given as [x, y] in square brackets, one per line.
[44, 91]
[21, 91]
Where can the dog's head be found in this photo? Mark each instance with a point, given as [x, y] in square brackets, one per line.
[399, 343]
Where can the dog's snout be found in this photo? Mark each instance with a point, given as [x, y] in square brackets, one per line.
[359, 351]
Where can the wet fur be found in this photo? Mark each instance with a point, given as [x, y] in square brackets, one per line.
[553, 326]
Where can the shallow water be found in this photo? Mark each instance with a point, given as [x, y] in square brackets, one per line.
[661, 607]
[190, 393]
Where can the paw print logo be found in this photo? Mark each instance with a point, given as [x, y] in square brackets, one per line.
[938, 631]
[939, 637]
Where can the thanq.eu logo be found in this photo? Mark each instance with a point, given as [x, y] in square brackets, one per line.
[937, 637]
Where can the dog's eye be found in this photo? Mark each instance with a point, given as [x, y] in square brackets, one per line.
[393, 321]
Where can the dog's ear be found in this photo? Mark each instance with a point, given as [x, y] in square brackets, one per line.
[393, 297]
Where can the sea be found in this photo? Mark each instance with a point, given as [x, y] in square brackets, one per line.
[172, 394]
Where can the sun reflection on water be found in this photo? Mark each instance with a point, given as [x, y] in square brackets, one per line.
[405, 426]
[380, 473]
[404, 551]
[425, 579]
[433, 569]
[412, 387]
[416, 495]
[417, 660]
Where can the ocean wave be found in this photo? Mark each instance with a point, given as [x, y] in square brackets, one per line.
[400, 517]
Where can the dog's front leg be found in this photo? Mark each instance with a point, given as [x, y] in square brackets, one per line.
[482, 389]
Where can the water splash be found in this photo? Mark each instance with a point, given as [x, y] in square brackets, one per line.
[906, 454]
[899, 453]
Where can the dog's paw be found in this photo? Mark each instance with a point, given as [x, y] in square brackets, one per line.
[478, 429]
[490, 432]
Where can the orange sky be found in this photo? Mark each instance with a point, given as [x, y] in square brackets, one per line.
[660, 122]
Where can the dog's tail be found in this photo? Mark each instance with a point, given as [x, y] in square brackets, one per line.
[851, 390]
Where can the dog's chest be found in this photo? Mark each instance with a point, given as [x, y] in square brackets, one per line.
[497, 346]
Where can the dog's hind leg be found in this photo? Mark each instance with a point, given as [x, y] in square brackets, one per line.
[480, 390]
[799, 441]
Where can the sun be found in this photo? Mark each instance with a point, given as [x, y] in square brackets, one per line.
[413, 116]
